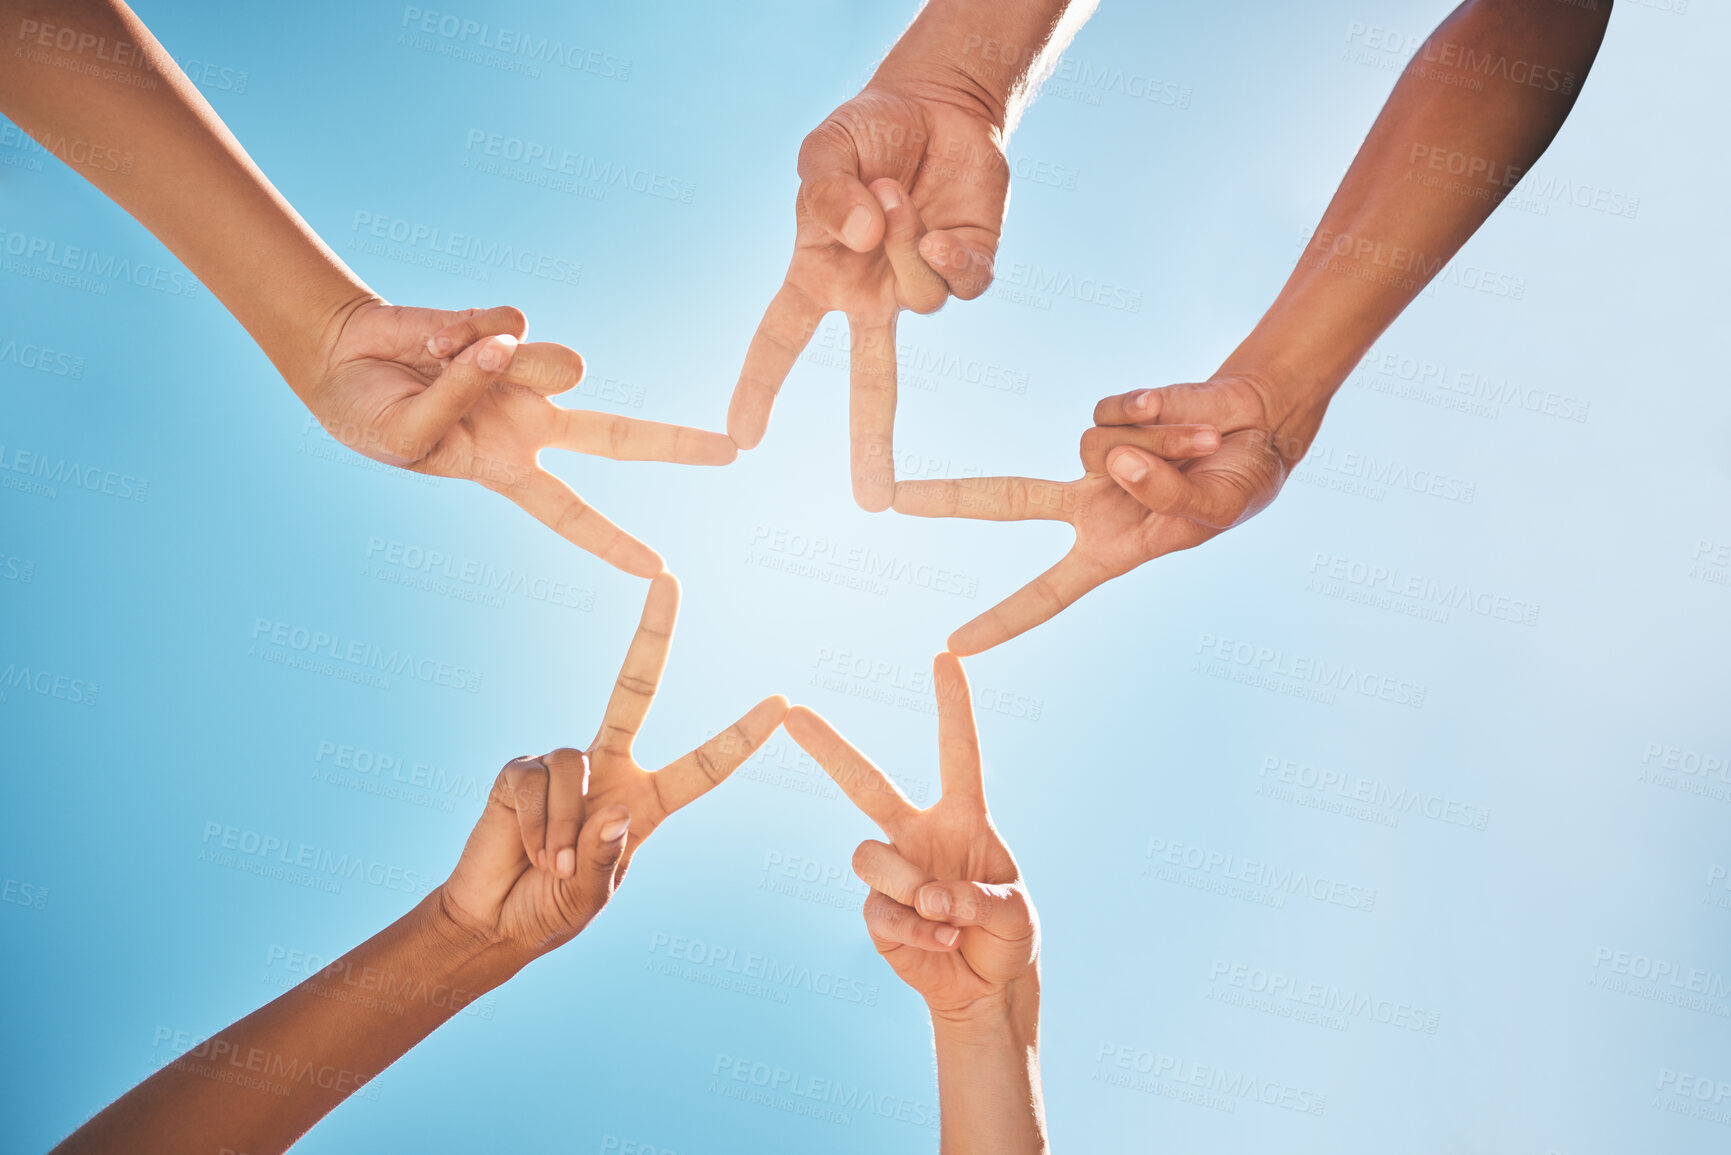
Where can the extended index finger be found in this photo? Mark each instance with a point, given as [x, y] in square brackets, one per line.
[1039, 601]
[866, 786]
[988, 499]
[872, 411]
[781, 336]
[557, 506]
[640, 676]
[958, 736]
[633, 439]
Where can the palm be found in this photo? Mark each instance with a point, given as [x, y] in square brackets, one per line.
[504, 882]
[940, 240]
[951, 840]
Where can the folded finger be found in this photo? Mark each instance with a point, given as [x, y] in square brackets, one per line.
[680, 783]
[547, 367]
[567, 786]
[830, 190]
[781, 336]
[633, 439]
[872, 412]
[525, 786]
[553, 503]
[918, 286]
[1208, 497]
[964, 257]
[1172, 442]
[867, 787]
[473, 324]
[1001, 910]
[987, 498]
[1040, 600]
[418, 423]
[880, 867]
[889, 921]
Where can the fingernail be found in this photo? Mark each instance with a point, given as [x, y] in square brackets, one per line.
[889, 196]
[948, 935]
[1140, 401]
[439, 346]
[1129, 466]
[936, 903]
[565, 864]
[857, 227]
[616, 829]
[1207, 440]
[491, 356]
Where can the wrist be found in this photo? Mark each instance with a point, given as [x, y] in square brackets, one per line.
[1009, 1016]
[978, 54]
[459, 950]
[1293, 400]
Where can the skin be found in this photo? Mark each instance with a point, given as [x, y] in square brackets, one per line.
[436, 390]
[949, 912]
[902, 197]
[552, 845]
[1169, 468]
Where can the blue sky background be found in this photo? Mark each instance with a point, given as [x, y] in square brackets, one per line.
[1593, 740]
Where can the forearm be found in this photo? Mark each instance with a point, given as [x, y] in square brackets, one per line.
[1477, 105]
[993, 52]
[261, 1083]
[88, 71]
[989, 1095]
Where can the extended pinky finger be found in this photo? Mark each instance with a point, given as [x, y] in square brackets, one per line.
[889, 921]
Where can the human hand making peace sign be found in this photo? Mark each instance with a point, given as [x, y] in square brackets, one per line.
[460, 395]
[559, 831]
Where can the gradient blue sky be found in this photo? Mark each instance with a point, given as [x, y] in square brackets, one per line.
[1113, 756]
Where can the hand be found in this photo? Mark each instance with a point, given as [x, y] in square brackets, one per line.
[456, 395]
[559, 831]
[901, 201]
[1114, 532]
[947, 910]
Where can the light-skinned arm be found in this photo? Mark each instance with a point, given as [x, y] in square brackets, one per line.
[443, 392]
[949, 912]
[555, 839]
[1168, 468]
[901, 203]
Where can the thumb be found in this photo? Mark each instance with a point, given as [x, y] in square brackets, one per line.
[600, 846]
[424, 419]
[831, 191]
